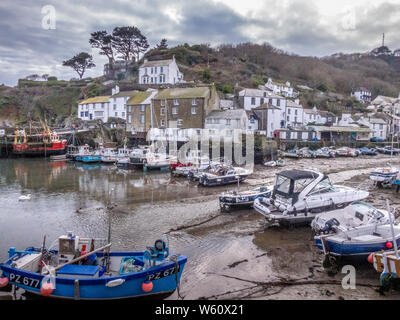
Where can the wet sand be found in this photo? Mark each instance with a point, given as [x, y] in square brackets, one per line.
[238, 258]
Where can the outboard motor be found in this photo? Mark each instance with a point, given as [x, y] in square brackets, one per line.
[329, 225]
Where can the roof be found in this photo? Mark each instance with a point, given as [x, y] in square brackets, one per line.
[377, 120]
[98, 99]
[156, 63]
[139, 97]
[122, 94]
[299, 174]
[182, 93]
[293, 104]
[266, 106]
[311, 111]
[227, 114]
[383, 99]
[340, 129]
[258, 93]
[226, 104]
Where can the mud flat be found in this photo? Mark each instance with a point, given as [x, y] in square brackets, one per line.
[233, 255]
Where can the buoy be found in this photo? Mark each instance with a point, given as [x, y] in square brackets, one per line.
[371, 258]
[46, 289]
[3, 282]
[147, 286]
[389, 245]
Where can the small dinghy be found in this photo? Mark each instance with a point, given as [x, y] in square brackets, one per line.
[299, 195]
[233, 198]
[384, 175]
[277, 163]
[96, 275]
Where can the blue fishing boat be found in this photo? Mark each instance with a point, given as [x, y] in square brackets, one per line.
[91, 159]
[73, 273]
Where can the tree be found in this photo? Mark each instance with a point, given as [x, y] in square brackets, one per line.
[163, 45]
[80, 63]
[103, 41]
[129, 42]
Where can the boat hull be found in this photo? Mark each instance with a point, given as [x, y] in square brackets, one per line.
[343, 249]
[163, 277]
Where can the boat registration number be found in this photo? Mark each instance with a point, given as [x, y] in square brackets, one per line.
[161, 274]
[26, 281]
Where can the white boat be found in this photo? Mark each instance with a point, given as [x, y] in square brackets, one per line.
[156, 161]
[108, 155]
[353, 216]
[222, 175]
[384, 175]
[299, 195]
[277, 163]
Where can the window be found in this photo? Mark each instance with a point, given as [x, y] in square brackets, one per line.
[123, 114]
[155, 70]
[174, 110]
[86, 114]
[216, 121]
[161, 69]
[102, 105]
[295, 119]
[162, 103]
[324, 186]
[288, 118]
[162, 78]
[129, 119]
[98, 113]
[180, 122]
[295, 112]
[194, 110]
[115, 107]
[194, 102]
[162, 111]
[124, 106]
[82, 114]
[288, 112]
[176, 102]
[142, 108]
[228, 122]
[162, 123]
[253, 101]
[142, 118]
[116, 114]
[262, 101]
[278, 102]
[152, 73]
[129, 108]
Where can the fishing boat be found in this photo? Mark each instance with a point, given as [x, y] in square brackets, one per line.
[71, 272]
[236, 198]
[222, 175]
[91, 158]
[108, 155]
[388, 151]
[156, 161]
[299, 195]
[277, 163]
[384, 175]
[46, 143]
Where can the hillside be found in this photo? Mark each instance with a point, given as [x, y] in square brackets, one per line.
[230, 68]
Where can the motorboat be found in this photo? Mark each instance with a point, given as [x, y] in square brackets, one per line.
[108, 155]
[299, 195]
[86, 269]
[355, 215]
[276, 163]
[388, 151]
[157, 161]
[222, 175]
[367, 152]
[384, 175]
[235, 198]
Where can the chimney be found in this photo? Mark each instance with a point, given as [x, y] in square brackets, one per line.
[173, 57]
[115, 90]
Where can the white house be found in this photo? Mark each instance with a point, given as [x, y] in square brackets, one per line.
[118, 102]
[283, 89]
[160, 72]
[294, 114]
[270, 119]
[94, 108]
[253, 98]
[378, 126]
[362, 94]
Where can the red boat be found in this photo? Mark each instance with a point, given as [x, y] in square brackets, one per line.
[40, 145]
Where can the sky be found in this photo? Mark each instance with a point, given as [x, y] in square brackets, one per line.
[37, 35]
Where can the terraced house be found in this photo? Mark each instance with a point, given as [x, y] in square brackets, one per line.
[139, 116]
[94, 108]
[118, 102]
[183, 107]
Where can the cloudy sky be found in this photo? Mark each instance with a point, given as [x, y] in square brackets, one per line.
[305, 27]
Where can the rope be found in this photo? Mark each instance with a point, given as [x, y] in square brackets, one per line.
[174, 258]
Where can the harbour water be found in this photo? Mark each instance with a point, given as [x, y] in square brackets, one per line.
[227, 252]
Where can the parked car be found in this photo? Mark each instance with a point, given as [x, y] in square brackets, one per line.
[377, 139]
